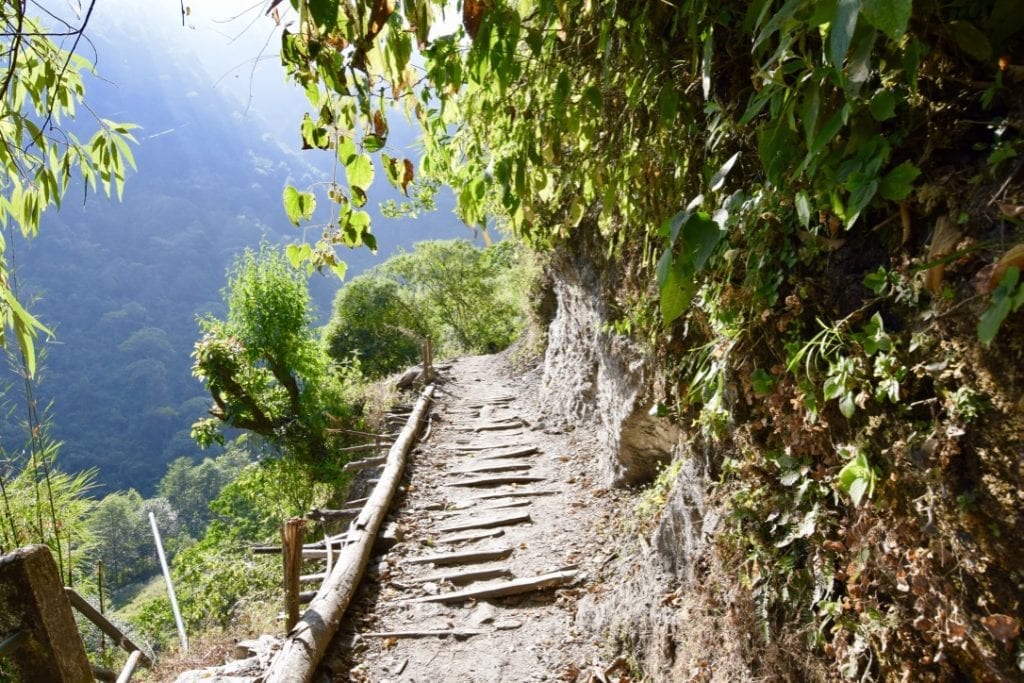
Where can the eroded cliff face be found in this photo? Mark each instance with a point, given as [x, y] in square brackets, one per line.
[659, 612]
[597, 378]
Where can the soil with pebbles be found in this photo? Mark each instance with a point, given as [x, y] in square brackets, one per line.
[551, 517]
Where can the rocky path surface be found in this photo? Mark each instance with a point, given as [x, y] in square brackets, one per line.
[494, 501]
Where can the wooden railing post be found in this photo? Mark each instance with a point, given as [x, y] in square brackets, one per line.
[427, 351]
[33, 599]
[99, 586]
[291, 543]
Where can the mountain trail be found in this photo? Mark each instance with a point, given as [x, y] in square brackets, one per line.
[501, 527]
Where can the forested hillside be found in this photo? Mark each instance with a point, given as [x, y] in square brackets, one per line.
[122, 283]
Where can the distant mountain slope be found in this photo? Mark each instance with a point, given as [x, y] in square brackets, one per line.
[122, 283]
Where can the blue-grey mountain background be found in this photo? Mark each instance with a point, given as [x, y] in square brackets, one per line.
[123, 283]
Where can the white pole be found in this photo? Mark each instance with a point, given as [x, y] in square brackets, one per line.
[170, 586]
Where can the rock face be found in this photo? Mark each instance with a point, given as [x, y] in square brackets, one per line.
[593, 376]
[596, 379]
[672, 609]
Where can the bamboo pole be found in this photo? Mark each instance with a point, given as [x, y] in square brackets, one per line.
[170, 585]
[129, 667]
[306, 643]
[99, 585]
[291, 542]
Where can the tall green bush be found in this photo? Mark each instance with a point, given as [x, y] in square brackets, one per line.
[263, 366]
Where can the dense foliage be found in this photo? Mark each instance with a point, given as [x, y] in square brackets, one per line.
[263, 366]
[793, 199]
[218, 579]
[462, 298]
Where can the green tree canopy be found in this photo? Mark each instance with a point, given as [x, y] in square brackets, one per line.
[372, 320]
[263, 366]
[462, 291]
[191, 487]
[463, 298]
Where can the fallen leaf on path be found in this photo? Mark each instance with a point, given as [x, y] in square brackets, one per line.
[1001, 626]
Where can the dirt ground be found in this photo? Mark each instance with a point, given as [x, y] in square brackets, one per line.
[551, 519]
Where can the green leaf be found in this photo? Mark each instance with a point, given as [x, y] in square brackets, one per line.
[705, 70]
[25, 328]
[833, 388]
[862, 190]
[346, 150]
[831, 128]
[360, 171]
[297, 253]
[803, 208]
[1005, 20]
[339, 269]
[858, 66]
[1005, 298]
[877, 281]
[324, 13]
[888, 16]
[844, 23]
[393, 170]
[810, 110]
[883, 105]
[971, 40]
[676, 287]
[777, 147]
[314, 136]
[562, 90]
[298, 206]
[719, 178]
[858, 487]
[700, 237]
[847, 406]
[899, 182]
[857, 478]
[668, 104]
[762, 381]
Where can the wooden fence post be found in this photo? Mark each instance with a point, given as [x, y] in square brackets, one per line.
[32, 593]
[291, 544]
[99, 585]
[427, 351]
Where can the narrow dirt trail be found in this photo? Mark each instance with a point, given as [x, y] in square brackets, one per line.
[492, 500]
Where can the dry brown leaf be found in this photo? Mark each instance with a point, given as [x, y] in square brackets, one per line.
[382, 10]
[956, 631]
[905, 222]
[1013, 257]
[943, 242]
[407, 176]
[472, 14]
[1001, 626]
[923, 624]
[1011, 210]
[380, 125]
